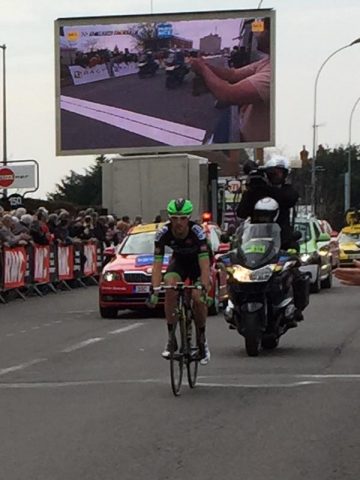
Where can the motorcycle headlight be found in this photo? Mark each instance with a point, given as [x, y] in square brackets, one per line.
[305, 257]
[111, 276]
[262, 274]
[241, 274]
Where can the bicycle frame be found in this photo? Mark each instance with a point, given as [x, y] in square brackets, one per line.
[186, 352]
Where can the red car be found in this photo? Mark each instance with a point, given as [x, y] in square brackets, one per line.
[125, 280]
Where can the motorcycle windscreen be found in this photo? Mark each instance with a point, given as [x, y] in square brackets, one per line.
[259, 244]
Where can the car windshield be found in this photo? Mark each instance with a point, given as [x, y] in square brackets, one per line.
[304, 229]
[349, 237]
[139, 243]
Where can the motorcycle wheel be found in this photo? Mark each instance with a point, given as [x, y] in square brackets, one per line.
[269, 342]
[252, 344]
[316, 287]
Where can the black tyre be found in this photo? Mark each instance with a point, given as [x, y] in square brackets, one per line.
[176, 360]
[192, 360]
[316, 287]
[108, 312]
[269, 342]
[252, 345]
[252, 334]
[327, 283]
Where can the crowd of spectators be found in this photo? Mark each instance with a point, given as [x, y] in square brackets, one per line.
[19, 227]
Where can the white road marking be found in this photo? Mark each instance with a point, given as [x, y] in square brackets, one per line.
[47, 324]
[22, 331]
[82, 344]
[334, 375]
[125, 329]
[35, 328]
[58, 321]
[10, 334]
[21, 366]
[77, 312]
[259, 385]
[164, 131]
[165, 380]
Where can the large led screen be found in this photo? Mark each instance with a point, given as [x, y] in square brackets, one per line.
[165, 83]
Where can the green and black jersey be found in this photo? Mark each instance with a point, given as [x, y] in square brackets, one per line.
[189, 249]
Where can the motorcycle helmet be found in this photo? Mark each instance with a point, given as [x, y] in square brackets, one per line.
[180, 207]
[277, 169]
[266, 210]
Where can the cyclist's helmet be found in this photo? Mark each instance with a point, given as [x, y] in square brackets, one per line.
[180, 206]
[266, 210]
[277, 169]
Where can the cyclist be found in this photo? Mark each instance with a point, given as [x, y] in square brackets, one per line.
[190, 260]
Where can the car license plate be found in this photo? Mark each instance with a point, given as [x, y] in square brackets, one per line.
[354, 255]
[142, 288]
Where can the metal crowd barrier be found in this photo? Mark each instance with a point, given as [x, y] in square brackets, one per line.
[25, 269]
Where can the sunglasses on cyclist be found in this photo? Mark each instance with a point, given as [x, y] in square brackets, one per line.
[179, 217]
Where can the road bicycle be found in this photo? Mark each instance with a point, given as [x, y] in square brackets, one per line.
[184, 336]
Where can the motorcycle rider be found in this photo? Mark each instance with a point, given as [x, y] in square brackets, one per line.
[271, 181]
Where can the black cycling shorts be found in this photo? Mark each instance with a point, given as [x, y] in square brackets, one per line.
[186, 268]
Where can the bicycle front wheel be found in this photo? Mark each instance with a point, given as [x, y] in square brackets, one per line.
[176, 360]
[192, 358]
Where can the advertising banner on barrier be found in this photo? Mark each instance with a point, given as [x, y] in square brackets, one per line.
[82, 75]
[41, 263]
[14, 267]
[123, 69]
[65, 262]
[90, 266]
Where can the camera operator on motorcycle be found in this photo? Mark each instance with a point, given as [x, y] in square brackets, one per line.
[271, 181]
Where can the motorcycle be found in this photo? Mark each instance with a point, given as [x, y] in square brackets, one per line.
[147, 67]
[264, 301]
[176, 70]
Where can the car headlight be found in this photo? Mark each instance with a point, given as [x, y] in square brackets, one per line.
[111, 276]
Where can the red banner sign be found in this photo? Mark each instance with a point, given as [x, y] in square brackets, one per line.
[41, 263]
[90, 266]
[66, 262]
[14, 267]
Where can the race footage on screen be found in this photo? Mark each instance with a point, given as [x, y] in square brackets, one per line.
[165, 83]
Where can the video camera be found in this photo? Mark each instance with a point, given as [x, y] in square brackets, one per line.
[256, 176]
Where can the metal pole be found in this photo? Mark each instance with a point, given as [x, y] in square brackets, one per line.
[315, 126]
[347, 202]
[4, 112]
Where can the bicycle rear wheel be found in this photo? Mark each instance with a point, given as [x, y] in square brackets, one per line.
[176, 360]
[192, 357]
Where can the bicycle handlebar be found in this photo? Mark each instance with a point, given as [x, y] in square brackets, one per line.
[181, 286]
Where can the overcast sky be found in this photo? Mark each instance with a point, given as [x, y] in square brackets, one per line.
[307, 32]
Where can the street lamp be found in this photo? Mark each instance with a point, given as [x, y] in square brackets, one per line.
[4, 106]
[347, 203]
[4, 113]
[313, 162]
